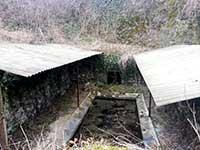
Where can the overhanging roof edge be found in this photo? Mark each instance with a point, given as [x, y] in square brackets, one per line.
[147, 83]
[167, 71]
[30, 75]
[27, 59]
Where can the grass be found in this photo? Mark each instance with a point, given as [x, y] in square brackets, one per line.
[123, 89]
[103, 147]
[119, 89]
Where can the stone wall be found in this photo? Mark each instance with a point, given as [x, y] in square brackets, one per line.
[115, 63]
[25, 98]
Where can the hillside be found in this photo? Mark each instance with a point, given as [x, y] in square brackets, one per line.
[143, 23]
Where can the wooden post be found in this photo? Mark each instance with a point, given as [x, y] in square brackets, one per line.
[150, 99]
[77, 87]
[137, 75]
[3, 130]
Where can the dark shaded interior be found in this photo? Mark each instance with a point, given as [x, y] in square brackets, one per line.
[114, 77]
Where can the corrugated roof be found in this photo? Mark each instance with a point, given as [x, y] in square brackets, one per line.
[27, 60]
[172, 74]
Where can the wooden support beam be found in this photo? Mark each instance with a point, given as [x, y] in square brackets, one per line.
[137, 75]
[77, 87]
[150, 101]
[3, 129]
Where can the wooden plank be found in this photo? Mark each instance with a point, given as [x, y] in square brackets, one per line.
[172, 74]
[3, 131]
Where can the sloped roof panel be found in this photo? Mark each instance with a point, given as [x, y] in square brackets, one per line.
[172, 74]
[27, 60]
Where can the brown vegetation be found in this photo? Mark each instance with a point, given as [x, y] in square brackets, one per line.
[144, 23]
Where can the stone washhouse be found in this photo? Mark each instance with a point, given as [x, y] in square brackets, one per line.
[32, 76]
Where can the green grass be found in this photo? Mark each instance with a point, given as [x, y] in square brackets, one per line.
[103, 147]
[121, 89]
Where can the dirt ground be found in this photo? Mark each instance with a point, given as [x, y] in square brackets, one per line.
[47, 122]
[111, 120]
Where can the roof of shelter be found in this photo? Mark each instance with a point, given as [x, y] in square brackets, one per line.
[172, 74]
[27, 59]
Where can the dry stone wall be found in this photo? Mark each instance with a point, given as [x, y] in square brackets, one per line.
[26, 98]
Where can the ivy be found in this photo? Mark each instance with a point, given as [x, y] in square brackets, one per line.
[111, 62]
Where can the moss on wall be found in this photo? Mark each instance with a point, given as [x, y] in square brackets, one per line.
[112, 62]
[26, 98]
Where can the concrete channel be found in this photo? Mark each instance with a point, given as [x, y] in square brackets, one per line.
[149, 136]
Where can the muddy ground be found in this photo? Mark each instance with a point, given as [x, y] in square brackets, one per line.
[111, 121]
